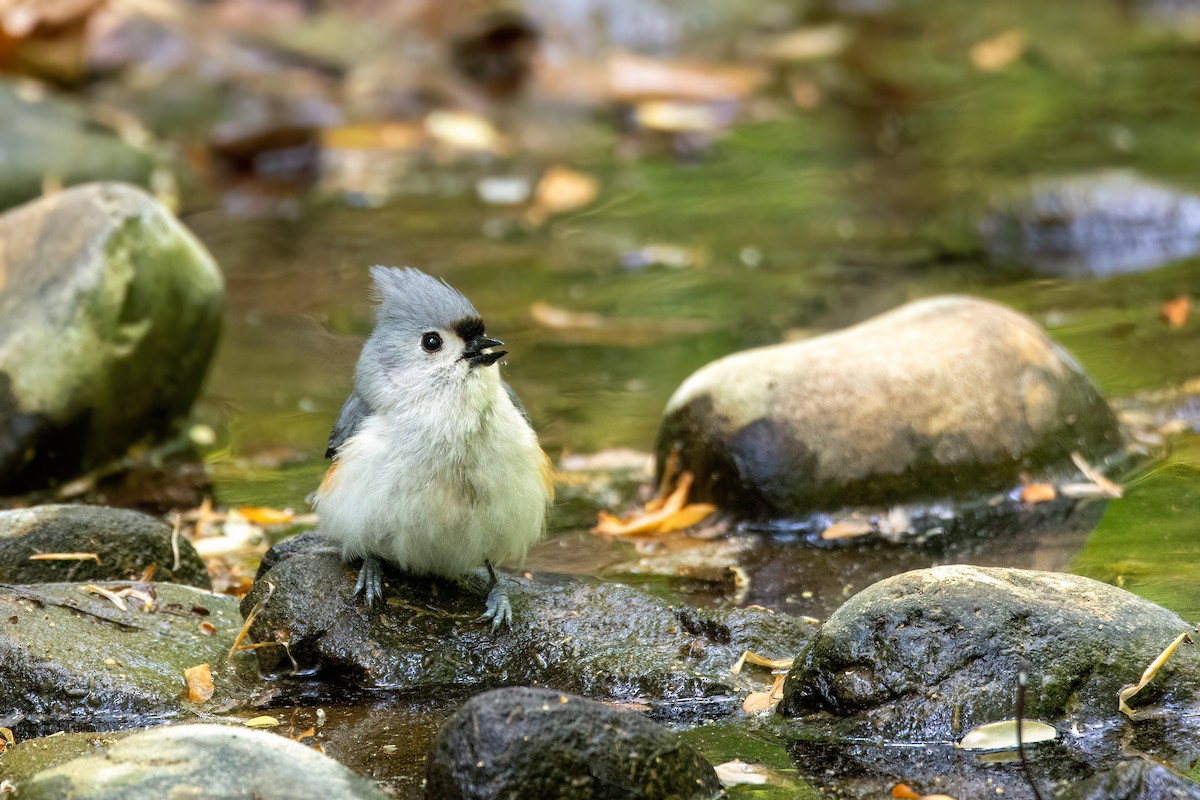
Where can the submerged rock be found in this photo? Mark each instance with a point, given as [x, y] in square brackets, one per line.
[601, 640]
[1099, 224]
[1133, 780]
[520, 742]
[946, 397]
[125, 543]
[44, 137]
[201, 761]
[109, 313]
[73, 660]
[930, 654]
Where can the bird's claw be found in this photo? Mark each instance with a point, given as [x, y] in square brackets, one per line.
[370, 580]
[499, 610]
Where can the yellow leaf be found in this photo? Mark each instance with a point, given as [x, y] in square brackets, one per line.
[199, 683]
[1129, 691]
[261, 722]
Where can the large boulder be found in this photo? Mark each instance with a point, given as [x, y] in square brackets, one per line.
[109, 313]
[124, 544]
[193, 761]
[604, 641]
[46, 137]
[522, 742]
[946, 397]
[930, 654]
[1098, 224]
[75, 658]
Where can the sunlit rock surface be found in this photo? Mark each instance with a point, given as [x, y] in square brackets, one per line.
[521, 742]
[109, 313]
[72, 659]
[1098, 224]
[44, 138]
[201, 761]
[930, 654]
[604, 641]
[944, 397]
[124, 544]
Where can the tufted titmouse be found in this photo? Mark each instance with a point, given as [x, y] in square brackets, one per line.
[435, 465]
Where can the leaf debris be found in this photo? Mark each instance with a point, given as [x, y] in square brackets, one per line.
[1130, 690]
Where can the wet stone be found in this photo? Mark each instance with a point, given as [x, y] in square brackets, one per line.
[186, 761]
[109, 313]
[73, 660]
[125, 543]
[930, 654]
[521, 742]
[604, 641]
[950, 397]
[1098, 224]
[1133, 780]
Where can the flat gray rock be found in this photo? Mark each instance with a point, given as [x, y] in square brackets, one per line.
[930, 654]
[73, 660]
[109, 314]
[949, 397]
[521, 742]
[200, 761]
[603, 641]
[125, 543]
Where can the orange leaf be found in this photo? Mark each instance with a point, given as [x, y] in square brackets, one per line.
[266, 516]
[1035, 493]
[904, 791]
[1176, 312]
[847, 529]
[199, 683]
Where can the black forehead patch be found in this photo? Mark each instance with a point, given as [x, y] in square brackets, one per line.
[467, 327]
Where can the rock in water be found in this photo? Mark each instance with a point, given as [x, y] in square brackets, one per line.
[109, 314]
[946, 397]
[540, 743]
[193, 761]
[930, 654]
[124, 543]
[1099, 224]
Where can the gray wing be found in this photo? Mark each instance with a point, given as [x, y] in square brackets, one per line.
[516, 401]
[354, 411]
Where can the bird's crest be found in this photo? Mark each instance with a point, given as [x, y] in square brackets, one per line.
[411, 296]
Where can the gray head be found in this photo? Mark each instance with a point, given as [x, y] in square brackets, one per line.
[427, 337]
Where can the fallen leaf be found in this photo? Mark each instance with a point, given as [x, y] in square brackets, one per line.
[1175, 312]
[739, 773]
[9, 741]
[266, 516]
[808, 44]
[199, 683]
[1002, 735]
[261, 722]
[560, 190]
[1034, 493]
[1107, 487]
[304, 734]
[555, 318]
[673, 116]
[65, 557]
[401, 136]
[750, 657]
[207, 628]
[634, 79]
[760, 702]
[1127, 692]
[905, 792]
[100, 590]
[686, 517]
[850, 528]
[992, 55]
[464, 130]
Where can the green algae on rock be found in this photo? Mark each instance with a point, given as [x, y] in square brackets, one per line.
[73, 660]
[109, 314]
[929, 654]
[948, 397]
[125, 543]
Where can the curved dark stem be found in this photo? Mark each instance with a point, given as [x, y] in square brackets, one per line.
[1022, 680]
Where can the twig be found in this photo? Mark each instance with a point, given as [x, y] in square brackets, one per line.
[1022, 680]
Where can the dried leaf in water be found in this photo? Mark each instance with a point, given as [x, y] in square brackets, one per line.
[1110, 489]
[464, 130]
[738, 773]
[809, 44]
[207, 628]
[560, 190]
[906, 792]
[555, 318]
[266, 516]
[1034, 493]
[847, 529]
[671, 116]
[750, 657]
[632, 79]
[992, 55]
[686, 517]
[1003, 735]
[761, 702]
[199, 683]
[1175, 312]
[1129, 691]
[261, 722]
[113, 597]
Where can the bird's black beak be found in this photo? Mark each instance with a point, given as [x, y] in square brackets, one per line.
[474, 351]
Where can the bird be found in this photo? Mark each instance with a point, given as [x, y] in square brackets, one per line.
[436, 467]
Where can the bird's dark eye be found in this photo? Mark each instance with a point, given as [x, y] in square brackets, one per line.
[431, 342]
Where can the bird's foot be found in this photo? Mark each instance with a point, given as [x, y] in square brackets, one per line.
[370, 580]
[498, 609]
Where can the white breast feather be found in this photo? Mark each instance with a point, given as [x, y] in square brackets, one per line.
[438, 492]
